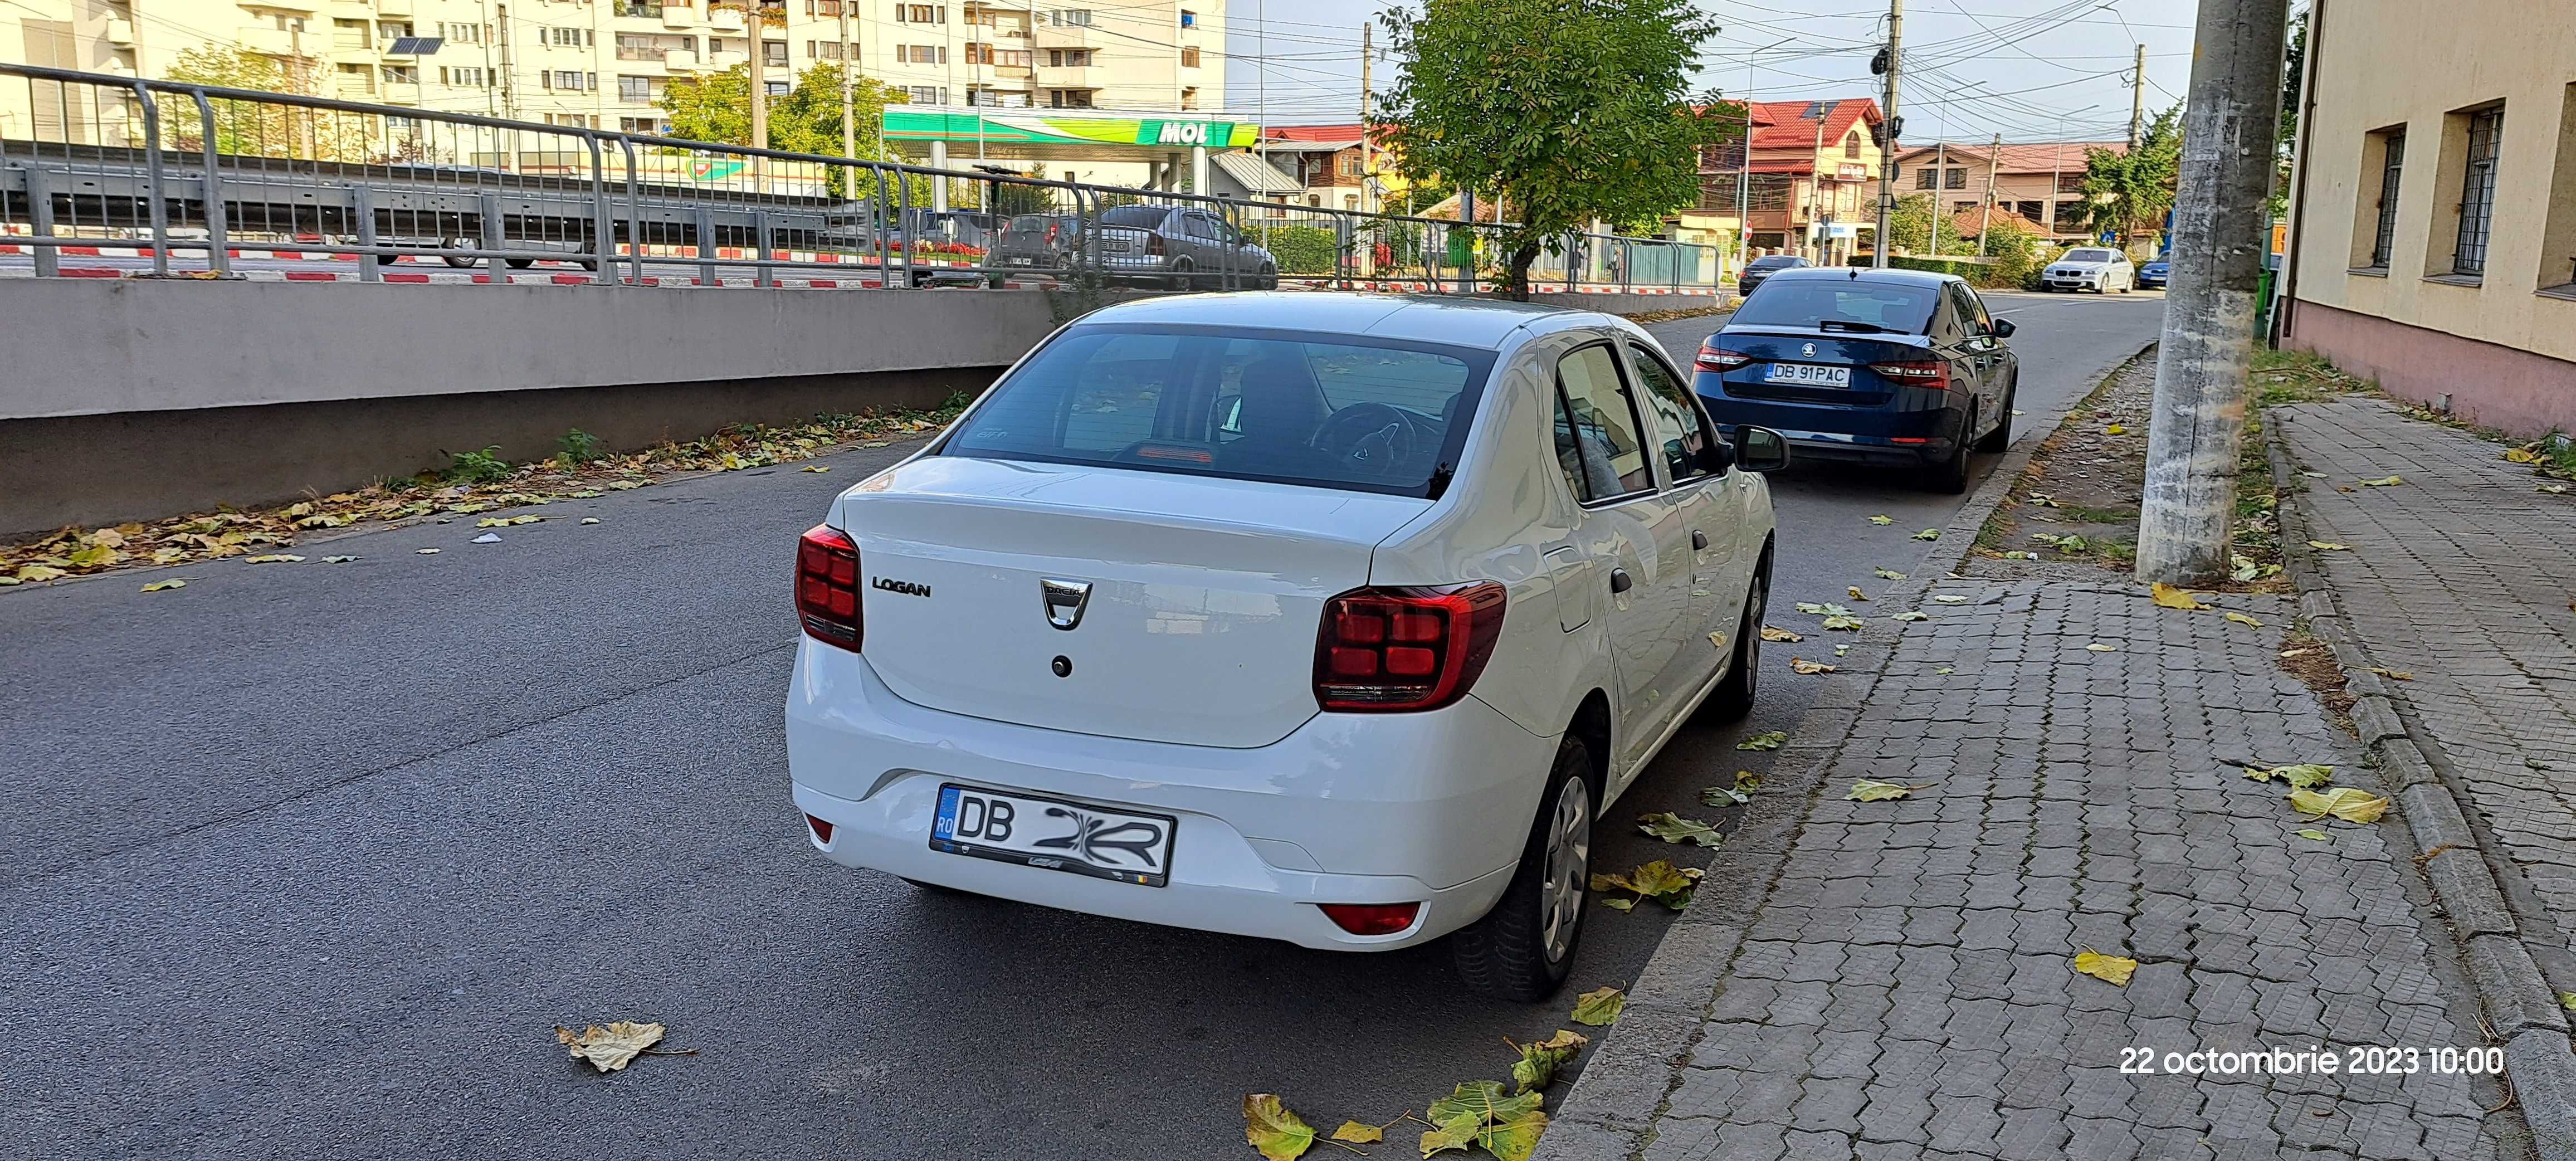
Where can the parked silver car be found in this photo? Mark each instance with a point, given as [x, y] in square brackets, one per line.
[1183, 248]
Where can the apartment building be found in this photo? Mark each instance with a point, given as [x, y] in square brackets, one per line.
[1812, 182]
[2042, 183]
[605, 64]
[2433, 207]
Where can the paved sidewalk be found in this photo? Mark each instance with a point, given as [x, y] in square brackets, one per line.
[2462, 577]
[1895, 979]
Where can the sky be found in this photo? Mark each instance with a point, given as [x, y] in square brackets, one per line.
[1974, 68]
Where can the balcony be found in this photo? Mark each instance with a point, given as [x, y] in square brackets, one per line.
[1070, 76]
[636, 11]
[399, 9]
[720, 61]
[1047, 36]
[726, 20]
[272, 41]
[1011, 72]
[120, 31]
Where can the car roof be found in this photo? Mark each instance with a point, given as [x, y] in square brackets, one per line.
[1457, 320]
[1867, 274]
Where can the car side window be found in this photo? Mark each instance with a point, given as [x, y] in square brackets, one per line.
[1972, 310]
[1602, 417]
[1677, 431]
[1200, 227]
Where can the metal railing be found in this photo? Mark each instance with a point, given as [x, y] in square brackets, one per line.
[206, 174]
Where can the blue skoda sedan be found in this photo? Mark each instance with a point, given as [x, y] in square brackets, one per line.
[1897, 367]
[2156, 273]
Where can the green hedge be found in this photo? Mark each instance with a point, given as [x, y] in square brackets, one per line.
[1302, 249]
[1987, 273]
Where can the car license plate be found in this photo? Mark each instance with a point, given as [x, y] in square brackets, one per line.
[1054, 834]
[1808, 375]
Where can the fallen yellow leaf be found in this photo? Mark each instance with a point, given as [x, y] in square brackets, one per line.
[2393, 674]
[1804, 667]
[1269, 1127]
[1855, 592]
[1873, 790]
[274, 558]
[2115, 429]
[2109, 968]
[1599, 1006]
[1882, 520]
[2384, 482]
[2241, 619]
[161, 586]
[611, 1048]
[2098, 647]
[2348, 803]
[2167, 596]
[1772, 633]
[1359, 1134]
[2329, 546]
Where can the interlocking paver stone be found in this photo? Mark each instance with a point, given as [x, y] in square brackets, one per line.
[1907, 986]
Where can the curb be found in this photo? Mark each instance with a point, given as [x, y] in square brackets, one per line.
[2512, 996]
[1629, 1078]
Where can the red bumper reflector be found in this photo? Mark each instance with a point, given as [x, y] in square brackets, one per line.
[822, 830]
[1371, 918]
[1907, 439]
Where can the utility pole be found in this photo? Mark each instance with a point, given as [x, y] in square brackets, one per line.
[1940, 187]
[2232, 116]
[1816, 183]
[1368, 153]
[2138, 94]
[1887, 146]
[1744, 168]
[756, 32]
[1994, 161]
[849, 64]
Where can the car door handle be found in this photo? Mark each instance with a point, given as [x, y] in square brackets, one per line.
[1619, 582]
[1699, 539]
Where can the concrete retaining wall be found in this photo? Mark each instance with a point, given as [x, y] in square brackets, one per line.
[132, 399]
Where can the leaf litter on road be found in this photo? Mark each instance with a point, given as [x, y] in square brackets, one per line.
[1928, 534]
[1843, 622]
[164, 586]
[1882, 521]
[2348, 803]
[1478, 1114]
[617, 1045]
[2241, 618]
[1804, 667]
[273, 558]
[1659, 880]
[1769, 740]
[1876, 790]
[1776, 633]
[1888, 574]
[1599, 1006]
[2111, 969]
[1540, 1060]
[2170, 597]
[1673, 828]
[1269, 1127]
[2300, 777]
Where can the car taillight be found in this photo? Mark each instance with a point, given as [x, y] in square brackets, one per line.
[827, 586]
[1387, 649]
[1154, 244]
[1052, 229]
[1714, 359]
[1933, 373]
[1371, 918]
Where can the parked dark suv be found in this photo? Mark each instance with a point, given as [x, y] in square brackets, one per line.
[1900, 367]
[1762, 268]
[1038, 242]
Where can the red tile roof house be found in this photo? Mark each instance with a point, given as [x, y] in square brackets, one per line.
[2042, 183]
[1814, 168]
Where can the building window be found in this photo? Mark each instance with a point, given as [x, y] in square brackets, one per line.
[1190, 57]
[1068, 58]
[402, 74]
[2477, 191]
[926, 54]
[1069, 98]
[1075, 17]
[1768, 191]
[655, 126]
[1925, 177]
[1189, 19]
[978, 53]
[921, 14]
[2383, 236]
[349, 34]
[1958, 178]
[1190, 99]
[1013, 58]
[469, 78]
[392, 29]
[2029, 210]
[928, 95]
[775, 53]
[462, 33]
[1851, 144]
[635, 90]
[357, 78]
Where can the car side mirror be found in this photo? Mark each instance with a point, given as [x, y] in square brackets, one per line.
[2004, 328]
[1717, 457]
[1760, 449]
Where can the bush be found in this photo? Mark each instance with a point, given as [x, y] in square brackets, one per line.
[477, 467]
[578, 447]
[1303, 249]
[1972, 269]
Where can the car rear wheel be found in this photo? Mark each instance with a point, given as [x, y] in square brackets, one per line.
[1733, 699]
[1524, 948]
[1951, 475]
[1183, 276]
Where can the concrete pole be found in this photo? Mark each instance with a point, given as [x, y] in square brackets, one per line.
[756, 34]
[1994, 160]
[1940, 189]
[939, 160]
[1887, 153]
[849, 71]
[2138, 94]
[2231, 119]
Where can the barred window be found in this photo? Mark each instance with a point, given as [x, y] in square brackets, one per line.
[2385, 238]
[2477, 192]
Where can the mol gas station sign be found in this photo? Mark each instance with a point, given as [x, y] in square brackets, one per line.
[1052, 133]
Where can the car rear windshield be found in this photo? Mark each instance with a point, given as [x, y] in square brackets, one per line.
[1146, 216]
[1895, 307]
[1031, 224]
[2086, 256]
[1330, 411]
[1775, 262]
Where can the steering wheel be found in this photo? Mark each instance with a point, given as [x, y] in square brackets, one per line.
[1372, 436]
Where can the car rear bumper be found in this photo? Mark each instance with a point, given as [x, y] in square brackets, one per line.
[1863, 449]
[1349, 808]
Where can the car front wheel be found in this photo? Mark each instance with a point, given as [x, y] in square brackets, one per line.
[1523, 949]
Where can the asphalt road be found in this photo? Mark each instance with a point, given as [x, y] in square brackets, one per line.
[306, 861]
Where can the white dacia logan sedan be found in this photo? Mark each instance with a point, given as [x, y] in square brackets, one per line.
[1336, 619]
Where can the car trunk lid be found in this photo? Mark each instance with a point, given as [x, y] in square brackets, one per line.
[1194, 602]
[1804, 346]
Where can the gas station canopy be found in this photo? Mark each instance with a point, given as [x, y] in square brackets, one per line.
[1055, 134]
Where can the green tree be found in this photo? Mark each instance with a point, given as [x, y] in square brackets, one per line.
[2294, 67]
[242, 127]
[1912, 221]
[2129, 193]
[717, 107]
[1568, 110]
